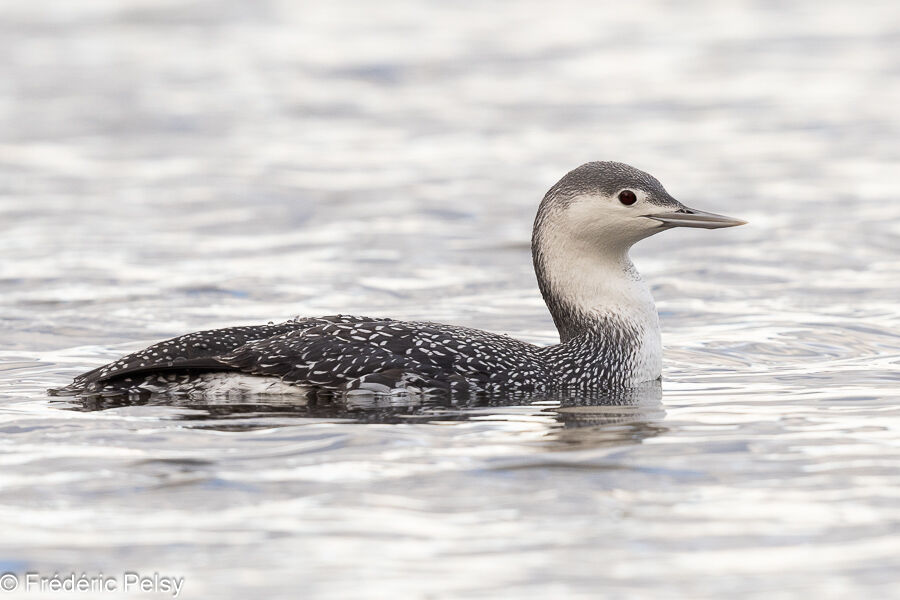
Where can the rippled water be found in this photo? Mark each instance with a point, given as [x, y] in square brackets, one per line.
[171, 166]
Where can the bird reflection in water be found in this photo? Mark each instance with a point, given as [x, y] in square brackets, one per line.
[572, 419]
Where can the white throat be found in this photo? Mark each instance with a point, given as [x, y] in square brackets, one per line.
[599, 282]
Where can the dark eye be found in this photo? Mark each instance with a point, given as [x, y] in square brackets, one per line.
[627, 197]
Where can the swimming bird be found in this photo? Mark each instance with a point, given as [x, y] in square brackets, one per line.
[608, 326]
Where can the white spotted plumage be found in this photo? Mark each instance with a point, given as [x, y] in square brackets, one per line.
[608, 325]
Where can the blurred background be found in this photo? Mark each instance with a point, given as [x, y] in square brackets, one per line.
[172, 166]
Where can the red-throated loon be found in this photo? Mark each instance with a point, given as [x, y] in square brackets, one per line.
[607, 322]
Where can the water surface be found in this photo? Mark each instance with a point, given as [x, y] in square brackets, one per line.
[169, 166]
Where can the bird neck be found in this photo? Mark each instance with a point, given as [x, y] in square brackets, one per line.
[597, 298]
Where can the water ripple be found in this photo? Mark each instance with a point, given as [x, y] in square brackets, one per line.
[273, 159]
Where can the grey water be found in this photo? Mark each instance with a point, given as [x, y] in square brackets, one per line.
[173, 166]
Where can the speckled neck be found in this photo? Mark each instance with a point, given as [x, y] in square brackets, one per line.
[609, 353]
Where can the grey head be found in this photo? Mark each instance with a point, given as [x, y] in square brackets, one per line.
[616, 205]
[608, 178]
[584, 228]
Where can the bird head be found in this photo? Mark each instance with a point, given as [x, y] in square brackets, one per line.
[614, 205]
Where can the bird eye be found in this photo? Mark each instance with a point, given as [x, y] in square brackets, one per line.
[627, 197]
